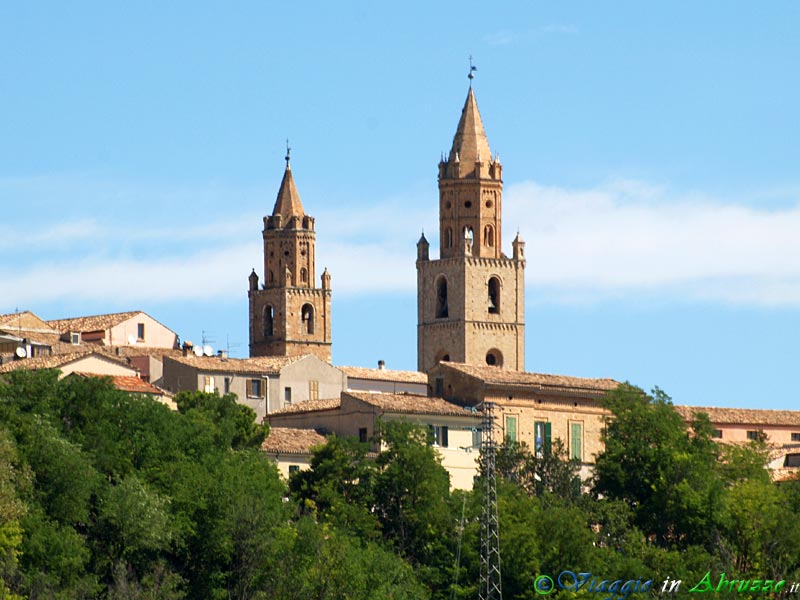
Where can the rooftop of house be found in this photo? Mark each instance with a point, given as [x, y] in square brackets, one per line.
[25, 322]
[44, 362]
[291, 440]
[257, 365]
[127, 383]
[499, 376]
[385, 374]
[308, 406]
[411, 404]
[742, 416]
[92, 322]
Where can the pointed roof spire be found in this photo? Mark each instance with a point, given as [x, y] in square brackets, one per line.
[470, 143]
[288, 202]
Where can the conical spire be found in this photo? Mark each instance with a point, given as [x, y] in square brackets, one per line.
[470, 144]
[288, 203]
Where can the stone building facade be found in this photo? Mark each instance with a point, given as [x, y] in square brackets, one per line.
[470, 301]
[288, 315]
[534, 408]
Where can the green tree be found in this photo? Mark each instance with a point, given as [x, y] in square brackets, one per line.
[235, 422]
[667, 476]
[551, 475]
[339, 486]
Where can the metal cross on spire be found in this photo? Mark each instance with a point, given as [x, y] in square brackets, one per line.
[288, 151]
[472, 68]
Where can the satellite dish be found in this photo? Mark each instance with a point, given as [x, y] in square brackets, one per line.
[20, 352]
[198, 351]
[208, 350]
[131, 340]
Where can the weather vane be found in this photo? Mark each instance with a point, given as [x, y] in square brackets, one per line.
[472, 68]
[288, 151]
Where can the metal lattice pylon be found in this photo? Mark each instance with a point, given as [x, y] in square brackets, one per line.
[490, 585]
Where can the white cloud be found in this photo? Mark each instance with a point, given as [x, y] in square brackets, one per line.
[629, 237]
[622, 239]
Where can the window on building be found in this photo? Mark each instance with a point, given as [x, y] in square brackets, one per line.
[313, 390]
[293, 469]
[448, 237]
[208, 384]
[287, 395]
[476, 437]
[439, 434]
[488, 236]
[269, 320]
[511, 429]
[796, 437]
[226, 385]
[140, 331]
[494, 295]
[255, 388]
[576, 441]
[792, 460]
[438, 389]
[756, 435]
[494, 358]
[441, 298]
[362, 435]
[716, 434]
[307, 315]
[542, 431]
[75, 338]
[303, 275]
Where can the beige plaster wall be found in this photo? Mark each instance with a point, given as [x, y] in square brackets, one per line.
[156, 335]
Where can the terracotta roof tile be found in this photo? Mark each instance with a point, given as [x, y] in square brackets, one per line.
[55, 361]
[498, 376]
[44, 362]
[743, 416]
[24, 322]
[308, 406]
[385, 374]
[257, 365]
[127, 383]
[411, 404]
[92, 322]
[291, 440]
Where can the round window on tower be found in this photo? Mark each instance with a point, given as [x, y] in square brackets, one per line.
[468, 204]
[494, 358]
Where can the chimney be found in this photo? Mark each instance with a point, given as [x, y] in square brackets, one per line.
[222, 354]
[381, 365]
[187, 347]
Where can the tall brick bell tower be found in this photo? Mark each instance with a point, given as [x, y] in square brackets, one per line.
[470, 302]
[289, 316]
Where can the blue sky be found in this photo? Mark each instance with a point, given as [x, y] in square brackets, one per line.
[650, 157]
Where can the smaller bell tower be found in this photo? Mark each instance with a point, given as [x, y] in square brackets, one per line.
[288, 315]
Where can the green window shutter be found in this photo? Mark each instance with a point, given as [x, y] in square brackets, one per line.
[548, 436]
[576, 441]
[511, 429]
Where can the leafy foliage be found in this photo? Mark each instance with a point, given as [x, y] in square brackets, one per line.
[108, 495]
